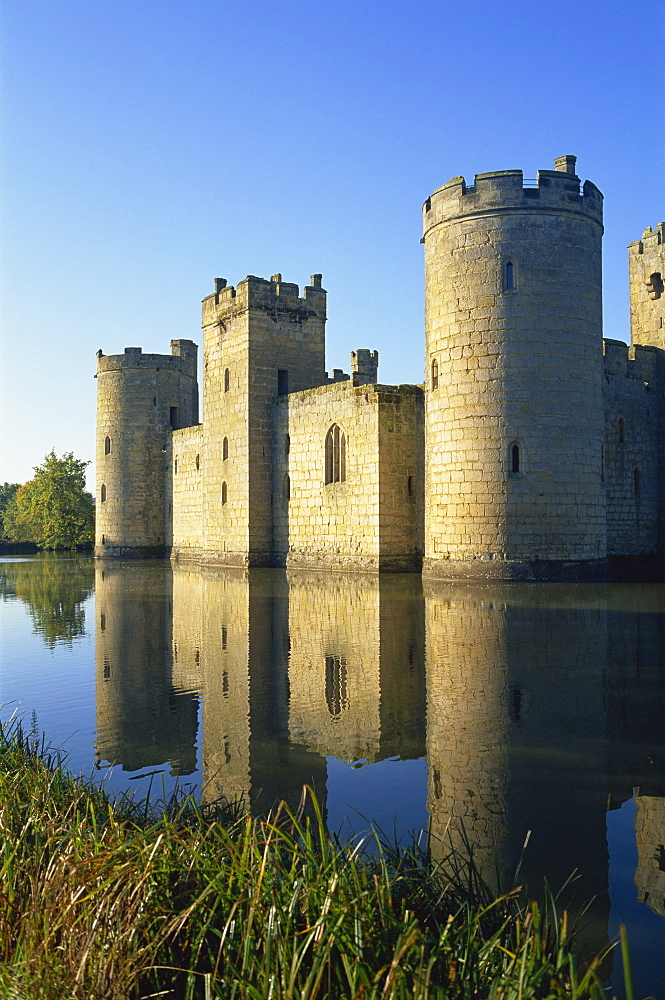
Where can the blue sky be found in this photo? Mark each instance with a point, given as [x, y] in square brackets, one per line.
[151, 145]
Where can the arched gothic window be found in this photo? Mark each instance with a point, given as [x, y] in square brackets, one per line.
[335, 455]
[509, 276]
[107, 445]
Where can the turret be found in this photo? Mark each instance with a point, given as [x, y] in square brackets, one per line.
[514, 404]
[646, 263]
[140, 399]
[364, 367]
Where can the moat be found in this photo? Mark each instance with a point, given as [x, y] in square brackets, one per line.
[510, 707]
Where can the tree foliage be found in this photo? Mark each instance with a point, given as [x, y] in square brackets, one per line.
[54, 510]
[7, 491]
[54, 589]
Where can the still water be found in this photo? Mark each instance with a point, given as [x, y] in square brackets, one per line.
[513, 708]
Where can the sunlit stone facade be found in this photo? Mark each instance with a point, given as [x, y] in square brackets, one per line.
[532, 450]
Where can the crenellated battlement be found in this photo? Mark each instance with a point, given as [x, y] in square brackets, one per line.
[553, 190]
[652, 240]
[274, 295]
[183, 358]
[533, 450]
[636, 361]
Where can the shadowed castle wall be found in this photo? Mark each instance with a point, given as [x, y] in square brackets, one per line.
[630, 454]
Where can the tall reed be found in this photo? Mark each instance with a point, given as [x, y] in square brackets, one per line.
[116, 899]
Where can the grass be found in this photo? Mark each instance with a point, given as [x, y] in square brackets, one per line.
[116, 899]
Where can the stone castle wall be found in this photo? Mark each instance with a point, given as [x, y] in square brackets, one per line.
[369, 518]
[140, 399]
[531, 452]
[185, 525]
[252, 333]
[630, 455]
[514, 411]
[646, 264]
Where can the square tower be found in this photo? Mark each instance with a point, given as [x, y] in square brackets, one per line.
[260, 340]
[646, 264]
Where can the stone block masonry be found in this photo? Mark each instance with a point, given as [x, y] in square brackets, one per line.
[533, 449]
[367, 513]
[514, 407]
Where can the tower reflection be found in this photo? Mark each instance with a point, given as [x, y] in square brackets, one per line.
[539, 707]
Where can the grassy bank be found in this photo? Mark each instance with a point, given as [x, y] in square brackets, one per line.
[112, 900]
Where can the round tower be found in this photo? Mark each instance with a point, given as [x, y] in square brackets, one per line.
[140, 399]
[514, 368]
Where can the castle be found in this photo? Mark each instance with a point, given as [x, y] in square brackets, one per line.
[533, 450]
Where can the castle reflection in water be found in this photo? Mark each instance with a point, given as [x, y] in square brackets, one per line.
[538, 707]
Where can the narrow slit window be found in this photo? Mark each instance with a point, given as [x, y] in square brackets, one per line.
[337, 698]
[409, 485]
[107, 446]
[102, 494]
[227, 380]
[510, 276]
[224, 493]
[435, 374]
[175, 467]
[287, 444]
[622, 430]
[198, 462]
[515, 459]
[335, 455]
[225, 449]
[287, 487]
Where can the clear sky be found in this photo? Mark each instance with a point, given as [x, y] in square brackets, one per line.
[153, 145]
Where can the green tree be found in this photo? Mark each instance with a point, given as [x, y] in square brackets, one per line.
[7, 491]
[53, 509]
